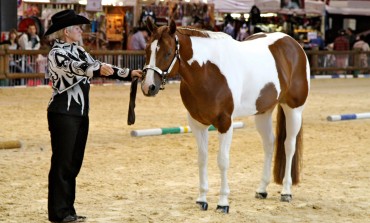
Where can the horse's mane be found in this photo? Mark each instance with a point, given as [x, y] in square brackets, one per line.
[190, 31]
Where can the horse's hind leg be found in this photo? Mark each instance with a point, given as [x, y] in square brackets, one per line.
[293, 118]
[200, 132]
[223, 164]
[264, 128]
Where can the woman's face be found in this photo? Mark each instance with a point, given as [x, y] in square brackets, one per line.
[13, 36]
[73, 34]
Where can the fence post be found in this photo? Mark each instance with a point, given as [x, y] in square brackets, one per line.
[3, 55]
[314, 61]
[356, 60]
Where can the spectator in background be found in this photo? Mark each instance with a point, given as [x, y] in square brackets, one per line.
[29, 40]
[243, 33]
[363, 46]
[351, 37]
[14, 60]
[197, 22]
[138, 40]
[290, 4]
[230, 30]
[12, 42]
[341, 43]
[319, 41]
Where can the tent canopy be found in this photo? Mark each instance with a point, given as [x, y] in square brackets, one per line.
[265, 6]
[349, 7]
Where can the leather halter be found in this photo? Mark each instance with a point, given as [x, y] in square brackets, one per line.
[164, 73]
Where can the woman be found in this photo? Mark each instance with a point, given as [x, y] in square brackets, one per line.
[70, 68]
[363, 46]
[12, 42]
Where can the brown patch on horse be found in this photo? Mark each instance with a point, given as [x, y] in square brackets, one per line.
[255, 36]
[192, 32]
[206, 95]
[267, 98]
[186, 51]
[290, 61]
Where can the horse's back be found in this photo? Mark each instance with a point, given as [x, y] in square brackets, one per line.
[273, 62]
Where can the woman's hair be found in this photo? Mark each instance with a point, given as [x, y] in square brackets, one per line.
[13, 31]
[59, 34]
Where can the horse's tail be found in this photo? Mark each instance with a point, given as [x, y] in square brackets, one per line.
[279, 165]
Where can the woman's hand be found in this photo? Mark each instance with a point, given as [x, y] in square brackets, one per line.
[106, 70]
[136, 73]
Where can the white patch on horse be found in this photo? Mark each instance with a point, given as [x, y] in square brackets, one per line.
[218, 35]
[149, 78]
[248, 57]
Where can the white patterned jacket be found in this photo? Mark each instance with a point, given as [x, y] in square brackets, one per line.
[70, 68]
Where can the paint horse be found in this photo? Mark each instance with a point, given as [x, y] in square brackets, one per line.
[222, 79]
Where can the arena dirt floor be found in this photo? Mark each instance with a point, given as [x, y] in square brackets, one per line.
[155, 178]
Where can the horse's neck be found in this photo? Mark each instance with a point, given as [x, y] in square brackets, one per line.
[191, 60]
[185, 55]
[185, 72]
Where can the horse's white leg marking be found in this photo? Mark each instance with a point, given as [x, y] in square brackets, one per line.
[200, 132]
[293, 119]
[264, 128]
[223, 164]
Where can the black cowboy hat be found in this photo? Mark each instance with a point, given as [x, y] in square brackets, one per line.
[64, 19]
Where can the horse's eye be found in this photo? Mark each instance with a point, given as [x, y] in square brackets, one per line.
[168, 54]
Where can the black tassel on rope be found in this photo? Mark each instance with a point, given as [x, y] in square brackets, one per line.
[131, 107]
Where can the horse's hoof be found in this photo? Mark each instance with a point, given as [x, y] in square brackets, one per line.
[261, 195]
[286, 197]
[203, 205]
[223, 209]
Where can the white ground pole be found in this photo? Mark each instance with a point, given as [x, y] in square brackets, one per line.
[174, 130]
[348, 116]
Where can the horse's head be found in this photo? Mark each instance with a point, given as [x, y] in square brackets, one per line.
[162, 55]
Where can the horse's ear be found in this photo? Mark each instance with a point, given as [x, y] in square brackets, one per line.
[151, 26]
[172, 27]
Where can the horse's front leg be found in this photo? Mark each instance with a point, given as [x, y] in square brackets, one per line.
[223, 164]
[200, 132]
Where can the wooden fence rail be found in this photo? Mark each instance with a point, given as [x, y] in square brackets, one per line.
[32, 64]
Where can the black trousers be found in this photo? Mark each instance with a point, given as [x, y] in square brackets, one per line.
[68, 140]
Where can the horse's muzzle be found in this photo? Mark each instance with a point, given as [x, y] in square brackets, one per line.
[153, 90]
[150, 90]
